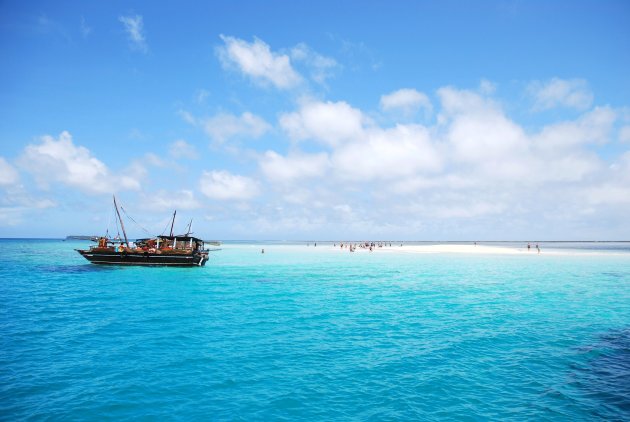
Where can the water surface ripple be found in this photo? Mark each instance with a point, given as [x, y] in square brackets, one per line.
[314, 334]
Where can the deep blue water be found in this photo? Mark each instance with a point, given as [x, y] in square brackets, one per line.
[314, 334]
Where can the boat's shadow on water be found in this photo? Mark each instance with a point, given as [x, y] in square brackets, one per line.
[77, 269]
[605, 377]
[95, 269]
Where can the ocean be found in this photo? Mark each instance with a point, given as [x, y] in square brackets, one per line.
[313, 333]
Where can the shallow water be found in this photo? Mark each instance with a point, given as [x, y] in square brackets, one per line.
[314, 334]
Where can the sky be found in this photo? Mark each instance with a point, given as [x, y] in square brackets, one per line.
[425, 120]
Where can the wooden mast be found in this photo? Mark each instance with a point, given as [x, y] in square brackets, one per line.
[189, 226]
[173, 223]
[121, 222]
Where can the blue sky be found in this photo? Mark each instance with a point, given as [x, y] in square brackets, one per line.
[317, 120]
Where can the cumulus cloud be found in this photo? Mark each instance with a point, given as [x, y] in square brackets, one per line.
[326, 122]
[460, 101]
[481, 138]
[134, 27]
[385, 154]
[475, 164]
[166, 200]
[16, 202]
[615, 189]
[223, 185]
[8, 173]
[225, 126]
[60, 160]
[569, 93]
[293, 167]
[182, 149]
[624, 134]
[593, 127]
[257, 61]
[489, 145]
[406, 100]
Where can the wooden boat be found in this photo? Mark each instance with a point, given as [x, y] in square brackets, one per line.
[181, 250]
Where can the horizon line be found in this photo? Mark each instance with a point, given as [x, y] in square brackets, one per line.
[352, 240]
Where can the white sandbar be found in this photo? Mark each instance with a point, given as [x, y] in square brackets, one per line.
[454, 248]
[490, 250]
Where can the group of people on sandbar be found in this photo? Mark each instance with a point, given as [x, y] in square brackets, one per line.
[529, 246]
[352, 246]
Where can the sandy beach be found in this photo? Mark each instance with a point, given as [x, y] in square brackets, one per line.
[488, 250]
[455, 248]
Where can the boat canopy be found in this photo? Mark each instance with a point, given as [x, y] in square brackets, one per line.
[179, 242]
[181, 238]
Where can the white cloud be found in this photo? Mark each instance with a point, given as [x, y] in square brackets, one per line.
[478, 137]
[402, 151]
[329, 123]
[486, 87]
[570, 93]
[476, 172]
[134, 27]
[321, 67]
[182, 149]
[16, 203]
[8, 173]
[615, 189]
[154, 160]
[608, 194]
[10, 216]
[257, 61]
[406, 100]
[223, 185]
[59, 160]
[593, 127]
[460, 209]
[294, 167]
[455, 101]
[475, 164]
[491, 147]
[624, 134]
[166, 200]
[187, 117]
[225, 126]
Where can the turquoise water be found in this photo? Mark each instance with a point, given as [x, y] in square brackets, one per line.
[314, 334]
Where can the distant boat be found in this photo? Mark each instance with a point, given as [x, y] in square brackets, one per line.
[171, 250]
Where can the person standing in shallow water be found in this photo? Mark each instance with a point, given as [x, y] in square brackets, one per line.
[537, 248]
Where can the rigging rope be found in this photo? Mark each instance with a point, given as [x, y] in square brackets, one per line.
[137, 224]
[167, 224]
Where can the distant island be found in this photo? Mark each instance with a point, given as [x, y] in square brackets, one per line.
[81, 237]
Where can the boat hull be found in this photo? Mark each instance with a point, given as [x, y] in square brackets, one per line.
[144, 258]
